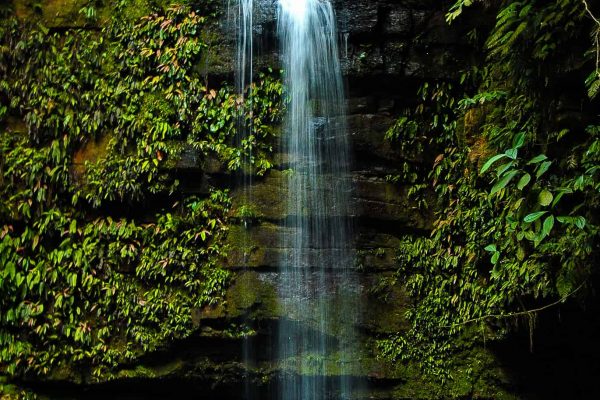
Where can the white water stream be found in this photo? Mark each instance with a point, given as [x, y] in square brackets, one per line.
[318, 291]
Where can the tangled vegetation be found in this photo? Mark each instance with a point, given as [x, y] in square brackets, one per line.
[102, 256]
[514, 180]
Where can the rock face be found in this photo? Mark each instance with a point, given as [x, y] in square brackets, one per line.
[389, 47]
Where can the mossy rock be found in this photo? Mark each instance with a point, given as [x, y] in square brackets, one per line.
[218, 57]
[173, 368]
[53, 13]
[266, 196]
[69, 13]
[252, 296]
[386, 305]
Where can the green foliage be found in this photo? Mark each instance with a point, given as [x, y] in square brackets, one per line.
[82, 287]
[516, 189]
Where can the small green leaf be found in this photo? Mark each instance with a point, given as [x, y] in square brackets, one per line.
[512, 153]
[545, 198]
[504, 167]
[534, 216]
[495, 257]
[579, 183]
[580, 222]
[491, 247]
[524, 181]
[10, 270]
[73, 227]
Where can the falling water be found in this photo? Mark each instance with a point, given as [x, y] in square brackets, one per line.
[242, 14]
[317, 289]
[244, 73]
[319, 294]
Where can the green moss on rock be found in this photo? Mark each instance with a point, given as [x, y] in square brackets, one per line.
[250, 295]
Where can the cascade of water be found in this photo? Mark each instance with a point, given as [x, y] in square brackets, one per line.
[318, 292]
[245, 46]
[243, 22]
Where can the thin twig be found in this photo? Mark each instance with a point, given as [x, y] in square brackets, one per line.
[596, 35]
[516, 314]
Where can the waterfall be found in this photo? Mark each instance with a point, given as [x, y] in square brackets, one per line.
[318, 292]
[245, 48]
[242, 14]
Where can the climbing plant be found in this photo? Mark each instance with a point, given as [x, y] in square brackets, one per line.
[93, 125]
[513, 182]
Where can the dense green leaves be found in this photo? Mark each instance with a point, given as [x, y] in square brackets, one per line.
[102, 256]
[507, 169]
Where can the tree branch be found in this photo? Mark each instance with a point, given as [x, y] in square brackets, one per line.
[516, 314]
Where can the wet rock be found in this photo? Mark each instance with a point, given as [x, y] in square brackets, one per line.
[368, 137]
[395, 57]
[357, 17]
[399, 21]
[252, 296]
[373, 198]
[360, 105]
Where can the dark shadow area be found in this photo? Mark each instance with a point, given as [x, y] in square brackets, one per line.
[565, 362]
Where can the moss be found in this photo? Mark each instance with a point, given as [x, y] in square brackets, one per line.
[254, 245]
[218, 56]
[335, 364]
[387, 308]
[251, 295]
[53, 13]
[475, 375]
[265, 197]
[136, 9]
[144, 371]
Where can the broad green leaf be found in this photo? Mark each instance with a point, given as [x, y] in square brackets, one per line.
[519, 140]
[504, 167]
[560, 195]
[545, 198]
[541, 170]
[534, 216]
[501, 184]
[537, 159]
[548, 225]
[524, 181]
[491, 161]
